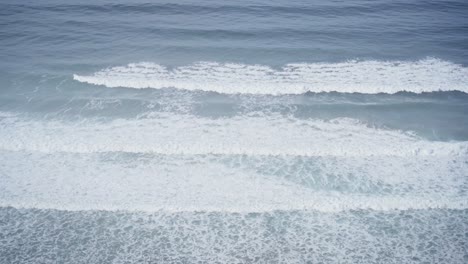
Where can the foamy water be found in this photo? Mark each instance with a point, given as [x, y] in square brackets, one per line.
[233, 132]
[256, 135]
[370, 77]
[240, 164]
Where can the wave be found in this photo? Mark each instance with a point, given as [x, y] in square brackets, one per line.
[270, 135]
[252, 163]
[368, 77]
[175, 184]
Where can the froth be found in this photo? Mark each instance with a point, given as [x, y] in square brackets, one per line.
[395, 237]
[249, 163]
[369, 77]
[199, 183]
[246, 135]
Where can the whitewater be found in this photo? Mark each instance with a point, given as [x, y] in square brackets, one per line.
[245, 132]
[368, 77]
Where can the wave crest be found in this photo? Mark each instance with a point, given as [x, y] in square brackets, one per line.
[370, 77]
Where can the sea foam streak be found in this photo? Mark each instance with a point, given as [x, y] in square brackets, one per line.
[371, 77]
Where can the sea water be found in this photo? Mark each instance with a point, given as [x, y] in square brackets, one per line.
[246, 131]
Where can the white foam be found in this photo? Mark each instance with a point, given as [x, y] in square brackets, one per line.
[282, 163]
[428, 75]
[185, 134]
[174, 184]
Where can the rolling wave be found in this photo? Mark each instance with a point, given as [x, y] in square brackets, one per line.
[367, 77]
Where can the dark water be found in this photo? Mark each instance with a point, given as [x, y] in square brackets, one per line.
[233, 132]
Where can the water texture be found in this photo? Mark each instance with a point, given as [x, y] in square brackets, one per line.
[248, 131]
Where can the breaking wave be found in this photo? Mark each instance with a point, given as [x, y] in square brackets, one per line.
[250, 163]
[270, 135]
[368, 77]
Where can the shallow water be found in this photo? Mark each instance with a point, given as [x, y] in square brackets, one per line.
[247, 132]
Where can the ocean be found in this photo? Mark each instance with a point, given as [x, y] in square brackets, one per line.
[247, 131]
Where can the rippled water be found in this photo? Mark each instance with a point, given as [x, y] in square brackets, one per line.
[234, 132]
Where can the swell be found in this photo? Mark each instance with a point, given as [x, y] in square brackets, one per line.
[368, 77]
[317, 10]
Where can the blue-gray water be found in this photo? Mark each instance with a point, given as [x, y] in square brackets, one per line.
[234, 132]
